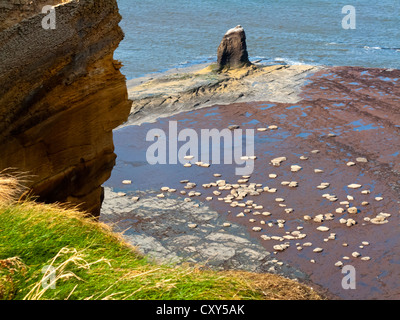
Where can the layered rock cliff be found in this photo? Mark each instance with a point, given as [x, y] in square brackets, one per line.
[61, 95]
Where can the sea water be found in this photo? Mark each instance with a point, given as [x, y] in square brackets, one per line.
[164, 34]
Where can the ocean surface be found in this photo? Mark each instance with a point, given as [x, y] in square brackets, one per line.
[164, 34]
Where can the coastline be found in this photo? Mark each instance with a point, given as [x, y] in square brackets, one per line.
[325, 114]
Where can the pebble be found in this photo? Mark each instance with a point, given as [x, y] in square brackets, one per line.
[365, 258]
[188, 157]
[378, 198]
[339, 264]
[352, 210]
[262, 129]
[233, 127]
[319, 218]
[318, 250]
[226, 225]
[339, 210]
[209, 198]
[192, 225]
[273, 127]
[266, 213]
[323, 229]
[127, 182]
[293, 184]
[356, 254]
[273, 176]
[365, 243]
[307, 244]
[295, 168]
[354, 186]
[365, 203]
[280, 200]
[136, 199]
[121, 194]
[281, 247]
[240, 215]
[312, 261]
[217, 175]
[187, 165]
[315, 151]
[257, 229]
[277, 161]
[318, 170]
[366, 192]
[350, 198]
[360, 159]
[350, 164]
[303, 158]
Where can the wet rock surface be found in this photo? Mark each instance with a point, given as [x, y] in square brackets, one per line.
[345, 114]
[174, 231]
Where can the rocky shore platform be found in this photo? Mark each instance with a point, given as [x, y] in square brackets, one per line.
[324, 193]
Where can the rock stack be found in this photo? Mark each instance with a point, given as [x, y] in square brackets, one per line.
[232, 52]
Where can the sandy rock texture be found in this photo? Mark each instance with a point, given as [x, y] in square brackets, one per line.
[61, 95]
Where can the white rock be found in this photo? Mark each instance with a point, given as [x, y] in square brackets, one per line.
[318, 170]
[192, 225]
[317, 250]
[339, 264]
[273, 176]
[257, 229]
[277, 161]
[352, 210]
[356, 254]
[323, 229]
[350, 164]
[354, 186]
[295, 168]
[127, 182]
[378, 198]
[362, 159]
[121, 194]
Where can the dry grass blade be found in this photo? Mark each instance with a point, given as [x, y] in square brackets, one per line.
[12, 185]
[60, 272]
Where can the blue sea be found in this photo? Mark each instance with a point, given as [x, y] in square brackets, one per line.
[164, 34]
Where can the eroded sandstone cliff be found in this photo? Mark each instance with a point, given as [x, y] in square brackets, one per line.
[61, 95]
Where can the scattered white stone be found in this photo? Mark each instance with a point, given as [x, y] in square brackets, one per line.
[121, 194]
[273, 176]
[354, 186]
[127, 182]
[366, 191]
[135, 199]
[352, 210]
[315, 151]
[350, 198]
[303, 158]
[266, 213]
[280, 200]
[262, 129]
[350, 164]
[323, 229]
[293, 184]
[365, 203]
[318, 250]
[362, 159]
[187, 165]
[378, 198]
[356, 254]
[257, 229]
[295, 168]
[277, 161]
[339, 264]
[365, 243]
[192, 225]
[273, 127]
[365, 258]
[318, 170]
[188, 157]
[226, 225]
[307, 244]
[240, 215]
[339, 210]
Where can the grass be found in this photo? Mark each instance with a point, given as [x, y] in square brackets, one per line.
[90, 262]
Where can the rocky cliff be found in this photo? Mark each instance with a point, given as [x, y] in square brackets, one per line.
[61, 95]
